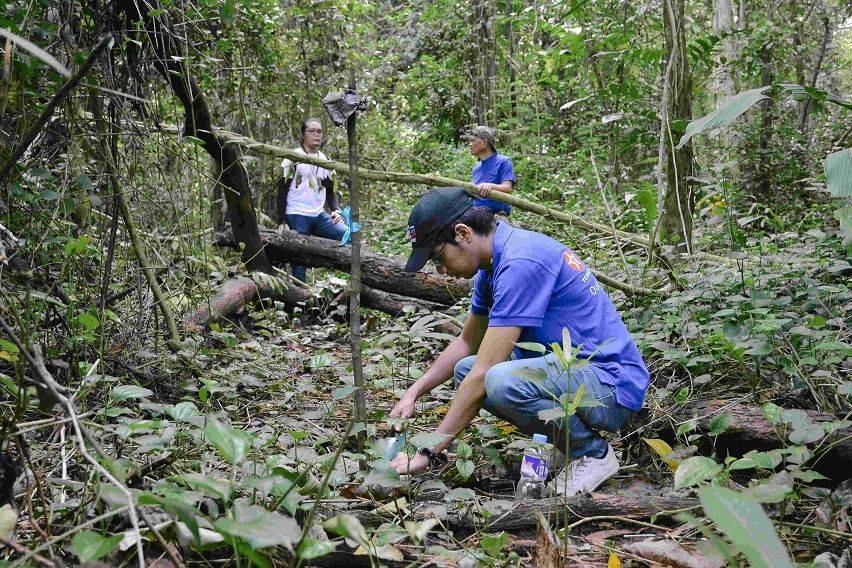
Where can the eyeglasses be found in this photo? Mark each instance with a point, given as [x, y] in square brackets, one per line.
[437, 257]
[314, 130]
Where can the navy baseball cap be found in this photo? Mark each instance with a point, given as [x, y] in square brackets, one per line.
[433, 213]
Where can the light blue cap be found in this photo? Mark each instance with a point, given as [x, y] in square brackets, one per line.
[541, 438]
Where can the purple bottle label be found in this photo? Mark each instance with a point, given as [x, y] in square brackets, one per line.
[534, 466]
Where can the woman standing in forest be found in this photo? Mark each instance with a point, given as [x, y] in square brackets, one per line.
[306, 198]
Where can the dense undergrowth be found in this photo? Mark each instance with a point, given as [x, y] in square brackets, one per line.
[244, 436]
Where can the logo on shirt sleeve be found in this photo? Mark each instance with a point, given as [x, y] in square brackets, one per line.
[572, 260]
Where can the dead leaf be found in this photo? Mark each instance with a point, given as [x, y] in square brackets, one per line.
[671, 553]
[598, 538]
[549, 553]
[664, 451]
[8, 520]
[614, 561]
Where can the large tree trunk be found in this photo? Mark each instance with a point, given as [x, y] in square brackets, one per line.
[378, 271]
[231, 176]
[676, 219]
[724, 83]
[482, 59]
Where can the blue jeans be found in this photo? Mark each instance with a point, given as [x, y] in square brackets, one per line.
[519, 400]
[320, 226]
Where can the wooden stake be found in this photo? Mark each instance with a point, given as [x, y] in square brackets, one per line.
[355, 283]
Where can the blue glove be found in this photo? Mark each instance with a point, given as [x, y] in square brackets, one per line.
[351, 227]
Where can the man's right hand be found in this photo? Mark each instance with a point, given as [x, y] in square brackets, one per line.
[403, 409]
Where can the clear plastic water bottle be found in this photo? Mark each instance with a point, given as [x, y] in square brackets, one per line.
[534, 467]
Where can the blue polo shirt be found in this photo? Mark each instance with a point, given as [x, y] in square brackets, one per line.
[496, 168]
[540, 285]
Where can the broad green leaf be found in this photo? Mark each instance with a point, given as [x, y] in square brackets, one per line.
[725, 114]
[838, 173]
[181, 510]
[343, 392]
[742, 463]
[720, 423]
[182, 411]
[465, 468]
[349, 527]
[383, 477]
[493, 544]
[807, 475]
[258, 527]
[530, 346]
[549, 414]
[427, 439]
[844, 217]
[772, 412]
[460, 494]
[694, 470]
[126, 392]
[310, 548]
[795, 417]
[87, 321]
[566, 344]
[746, 524]
[233, 444]
[320, 361]
[218, 488]
[419, 530]
[90, 545]
[463, 450]
[807, 434]
[663, 450]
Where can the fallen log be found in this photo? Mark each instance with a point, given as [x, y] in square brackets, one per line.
[231, 299]
[384, 273]
[637, 500]
[750, 430]
[379, 272]
[234, 296]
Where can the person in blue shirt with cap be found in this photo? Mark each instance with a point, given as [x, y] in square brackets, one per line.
[492, 172]
[527, 287]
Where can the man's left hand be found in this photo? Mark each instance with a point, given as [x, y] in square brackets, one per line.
[485, 189]
[336, 217]
[402, 464]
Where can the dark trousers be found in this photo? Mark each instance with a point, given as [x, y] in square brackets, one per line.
[320, 226]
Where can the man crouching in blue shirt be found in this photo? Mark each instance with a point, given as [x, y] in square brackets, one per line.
[527, 288]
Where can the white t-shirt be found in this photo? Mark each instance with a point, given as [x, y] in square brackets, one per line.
[307, 194]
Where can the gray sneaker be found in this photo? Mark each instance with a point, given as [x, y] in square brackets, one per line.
[585, 474]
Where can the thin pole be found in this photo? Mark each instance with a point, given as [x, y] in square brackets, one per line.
[355, 282]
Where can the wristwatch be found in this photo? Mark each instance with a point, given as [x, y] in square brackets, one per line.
[430, 455]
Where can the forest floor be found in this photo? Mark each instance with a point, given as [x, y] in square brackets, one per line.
[224, 444]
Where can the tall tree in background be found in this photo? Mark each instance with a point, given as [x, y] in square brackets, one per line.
[482, 59]
[724, 81]
[676, 214]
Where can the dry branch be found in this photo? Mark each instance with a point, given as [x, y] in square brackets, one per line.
[105, 43]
